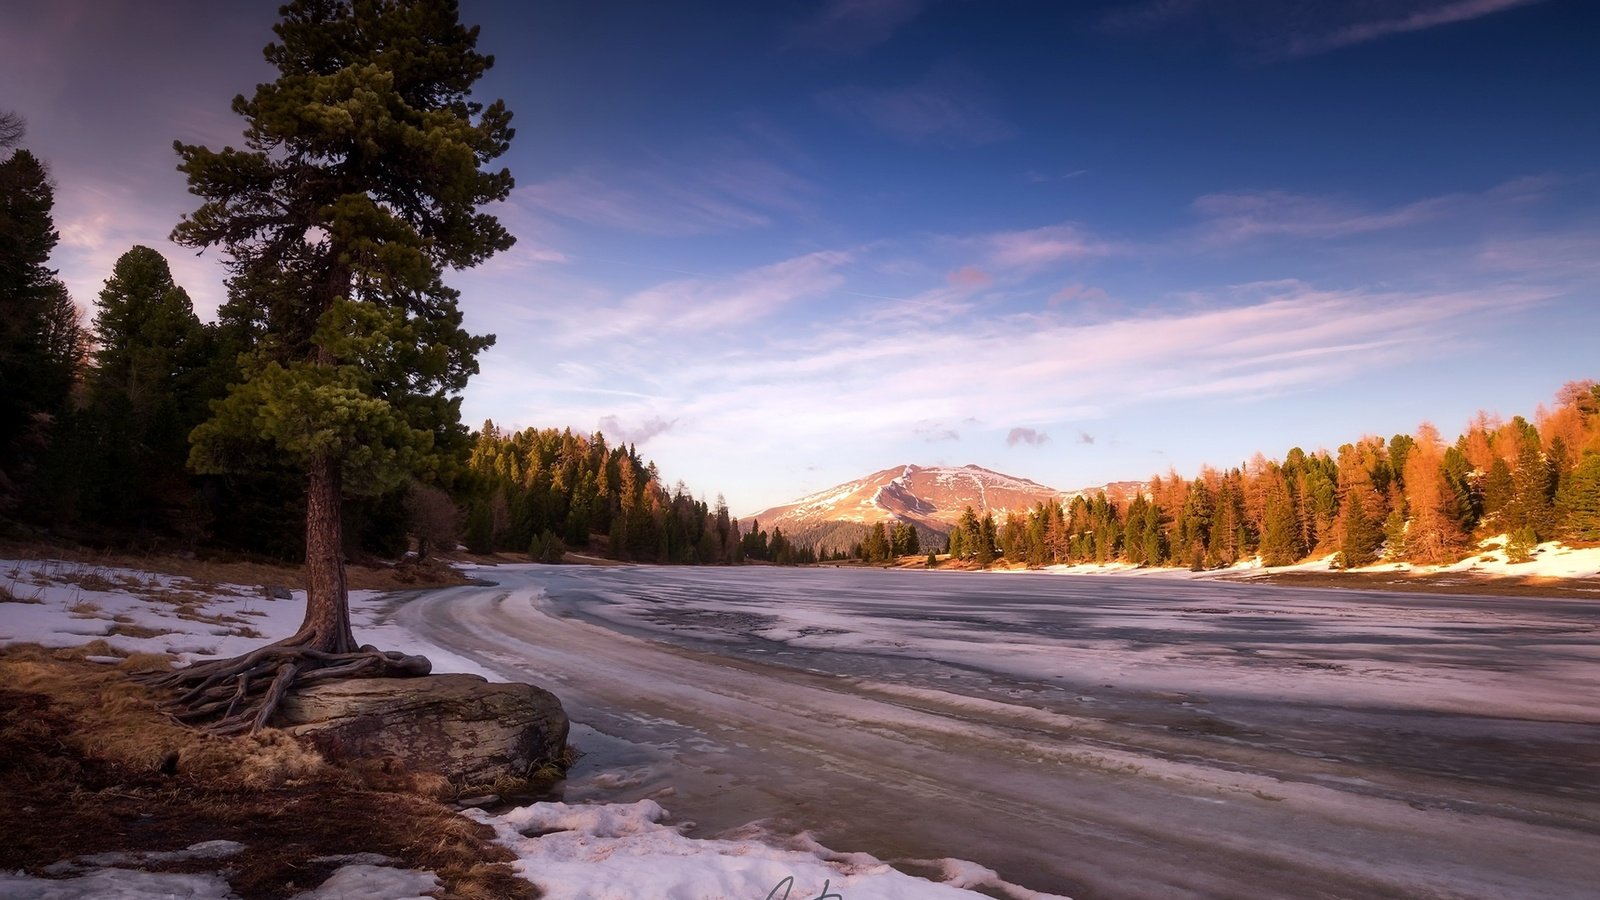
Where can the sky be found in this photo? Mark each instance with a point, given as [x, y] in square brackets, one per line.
[780, 245]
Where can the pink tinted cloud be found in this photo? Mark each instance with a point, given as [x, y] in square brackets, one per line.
[1039, 247]
[970, 277]
[1079, 292]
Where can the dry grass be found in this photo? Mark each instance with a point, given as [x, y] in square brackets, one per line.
[8, 594]
[85, 609]
[130, 630]
[1443, 583]
[88, 765]
[220, 570]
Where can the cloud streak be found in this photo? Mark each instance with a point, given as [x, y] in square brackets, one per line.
[1280, 31]
[852, 26]
[1430, 16]
[948, 106]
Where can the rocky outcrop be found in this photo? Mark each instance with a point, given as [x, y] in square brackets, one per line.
[460, 726]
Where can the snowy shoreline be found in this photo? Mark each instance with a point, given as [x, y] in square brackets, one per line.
[1551, 560]
[596, 851]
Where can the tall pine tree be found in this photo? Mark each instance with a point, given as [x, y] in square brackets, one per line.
[359, 184]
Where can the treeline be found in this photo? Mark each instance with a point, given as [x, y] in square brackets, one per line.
[1410, 498]
[95, 428]
[542, 492]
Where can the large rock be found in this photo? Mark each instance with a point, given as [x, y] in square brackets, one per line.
[460, 726]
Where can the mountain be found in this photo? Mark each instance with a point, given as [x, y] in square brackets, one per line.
[930, 497]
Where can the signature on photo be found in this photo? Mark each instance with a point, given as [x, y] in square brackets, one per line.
[787, 885]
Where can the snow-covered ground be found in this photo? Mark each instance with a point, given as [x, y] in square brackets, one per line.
[1551, 559]
[595, 851]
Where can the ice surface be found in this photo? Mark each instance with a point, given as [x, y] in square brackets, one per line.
[1143, 737]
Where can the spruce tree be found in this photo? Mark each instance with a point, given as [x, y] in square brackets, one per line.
[147, 391]
[1529, 506]
[1580, 500]
[41, 345]
[358, 185]
[1361, 536]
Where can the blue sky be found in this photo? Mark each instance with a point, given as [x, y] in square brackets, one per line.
[779, 245]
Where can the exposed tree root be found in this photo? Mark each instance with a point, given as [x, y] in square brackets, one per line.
[240, 695]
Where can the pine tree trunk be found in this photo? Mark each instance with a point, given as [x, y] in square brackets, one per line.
[327, 623]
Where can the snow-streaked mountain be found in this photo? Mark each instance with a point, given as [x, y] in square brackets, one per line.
[930, 497]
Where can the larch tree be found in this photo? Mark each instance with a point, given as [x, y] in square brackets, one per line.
[1435, 534]
[360, 182]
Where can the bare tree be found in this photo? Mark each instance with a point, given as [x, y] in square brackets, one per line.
[12, 128]
[435, 518]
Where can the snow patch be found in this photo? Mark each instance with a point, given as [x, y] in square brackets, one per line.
[626, 852]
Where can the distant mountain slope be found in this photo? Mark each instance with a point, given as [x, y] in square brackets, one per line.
[930, 497]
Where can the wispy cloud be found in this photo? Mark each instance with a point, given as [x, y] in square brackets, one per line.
[638, 202]
[1236, 217]
[618, 433]
[1036, 248]
[1277, 30]
[1037, 177]
[935, 432]
[1430, 15]
[1029, 436]
[698, 305]
[1079, 293]
[948, 106]
[707, 188]
[1085, 437]
[970, 277]
[851, 26]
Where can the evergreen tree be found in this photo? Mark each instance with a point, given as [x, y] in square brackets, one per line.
[958, 544]
[1360, 535]
[1520, 544]
[1498, 489]
[984, 549]
[148, 390]
[1529, 505]
[1580, 500]
[358, 186]
[1280, 536]
[41, 345]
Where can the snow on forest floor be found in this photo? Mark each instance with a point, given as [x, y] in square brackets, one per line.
[599, 851]
[1551, 559]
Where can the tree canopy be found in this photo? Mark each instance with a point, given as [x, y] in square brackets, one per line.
[360, 181]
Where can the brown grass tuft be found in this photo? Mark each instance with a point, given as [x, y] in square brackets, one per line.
[8, 594]
[130, 630]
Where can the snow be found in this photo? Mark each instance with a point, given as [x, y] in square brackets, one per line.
[67, 604]
[634, 850]
[1551, 559]
[116, 884]
[592, 851]
[626, 852]
[357, 882]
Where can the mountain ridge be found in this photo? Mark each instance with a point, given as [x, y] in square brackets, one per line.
[931, 498]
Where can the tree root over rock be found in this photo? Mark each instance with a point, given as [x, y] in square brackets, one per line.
[239, 695]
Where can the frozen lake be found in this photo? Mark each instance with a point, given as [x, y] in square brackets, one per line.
[1091, 736]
